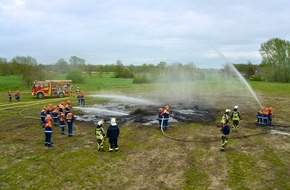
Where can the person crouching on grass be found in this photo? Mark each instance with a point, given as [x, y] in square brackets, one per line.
[225, 131]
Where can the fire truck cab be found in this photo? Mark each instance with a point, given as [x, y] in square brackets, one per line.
[56, 88]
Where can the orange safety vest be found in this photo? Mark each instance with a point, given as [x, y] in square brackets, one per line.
[61, 117]
[69, 116]
[61, 106]
[48, 121]
[55, 111]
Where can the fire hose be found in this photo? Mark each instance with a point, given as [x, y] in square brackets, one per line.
[209, 140]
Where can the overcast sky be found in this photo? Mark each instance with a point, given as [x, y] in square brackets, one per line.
[205, 32]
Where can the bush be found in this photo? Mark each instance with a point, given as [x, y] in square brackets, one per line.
[141, 79]
[256, 78]
[124, 73]
[76, 76]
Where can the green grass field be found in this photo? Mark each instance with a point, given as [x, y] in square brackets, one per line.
[254, 159]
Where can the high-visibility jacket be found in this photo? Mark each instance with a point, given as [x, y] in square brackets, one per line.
[225, 117]
[100, 133]
[236, 115]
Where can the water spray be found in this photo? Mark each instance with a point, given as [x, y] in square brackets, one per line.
[246, 83]
[239, 75]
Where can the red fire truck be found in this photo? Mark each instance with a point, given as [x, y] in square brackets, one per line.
[57, 88]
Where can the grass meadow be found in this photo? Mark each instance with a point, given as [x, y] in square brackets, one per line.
[255, 158]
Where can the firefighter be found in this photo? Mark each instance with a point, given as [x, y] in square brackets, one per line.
[10, 96]
[62, 123]
[77, 90]
[67, 107]
[70, 120]
[265, 116]
[100, 135]
[160, 116]
[42, 115]
[270, 115]
[113, 135]
[165, 114]
[55, 116]
[260, 117]
[82, 99]
[226, 116]
[72, 91]
[17, 96]
[61, 107]
[235, 117]
[48, 131]
[49, 109]
[225, 131]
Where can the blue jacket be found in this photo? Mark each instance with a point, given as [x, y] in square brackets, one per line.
[113, 132]
[226, 129]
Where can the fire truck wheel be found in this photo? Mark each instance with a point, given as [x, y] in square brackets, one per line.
[61, 95]
[40, 95]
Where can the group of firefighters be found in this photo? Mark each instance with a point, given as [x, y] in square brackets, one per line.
[62, 116]
[53, 115]
[163, 117]
[113, 132]
[264, 116]
[16, 95]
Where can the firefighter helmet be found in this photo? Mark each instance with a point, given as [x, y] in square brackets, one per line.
[113, 121]
[100, 122]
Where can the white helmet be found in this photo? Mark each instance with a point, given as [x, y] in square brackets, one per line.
[236, 107]
[228, 110]
[100, 122]
[113, 121]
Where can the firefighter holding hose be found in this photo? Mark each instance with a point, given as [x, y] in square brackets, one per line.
[160, 117]
[165, 118]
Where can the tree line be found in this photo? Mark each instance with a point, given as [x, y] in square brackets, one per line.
[275, 66]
